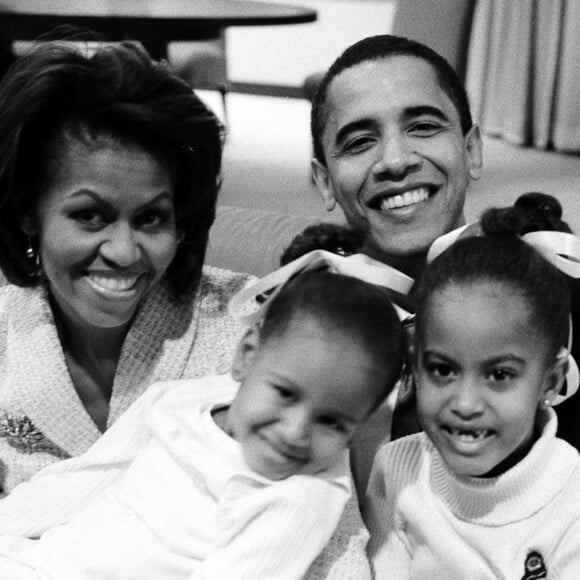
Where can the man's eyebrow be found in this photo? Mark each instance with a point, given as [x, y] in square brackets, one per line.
[429, 110]
[357, 125]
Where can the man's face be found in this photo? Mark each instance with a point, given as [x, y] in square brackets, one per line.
[398, 163]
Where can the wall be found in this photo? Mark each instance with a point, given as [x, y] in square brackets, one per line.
[285, 55]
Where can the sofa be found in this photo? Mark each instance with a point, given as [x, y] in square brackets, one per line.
[251, 240]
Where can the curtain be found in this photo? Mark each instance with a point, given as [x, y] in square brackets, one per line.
[523, 72]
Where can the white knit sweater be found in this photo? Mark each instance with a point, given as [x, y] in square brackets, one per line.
[425, 522]
[42, 419]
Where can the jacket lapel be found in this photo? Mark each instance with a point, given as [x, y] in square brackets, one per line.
[157, 347]
[37, 373]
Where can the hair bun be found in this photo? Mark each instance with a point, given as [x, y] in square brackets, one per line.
[546, 206]
[540, 202]
[331, 237]
[532, 212]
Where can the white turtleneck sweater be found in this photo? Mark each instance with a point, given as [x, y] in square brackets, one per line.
[428, 523]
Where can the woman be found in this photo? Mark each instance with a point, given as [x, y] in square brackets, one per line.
[109, 172]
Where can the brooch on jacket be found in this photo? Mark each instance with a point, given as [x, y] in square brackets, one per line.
[20, 433]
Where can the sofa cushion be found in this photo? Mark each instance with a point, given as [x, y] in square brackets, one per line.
[251, 240]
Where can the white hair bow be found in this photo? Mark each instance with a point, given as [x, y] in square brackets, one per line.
[561, 250]
[245, 305]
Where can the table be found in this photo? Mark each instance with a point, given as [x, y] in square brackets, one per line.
[153, 22]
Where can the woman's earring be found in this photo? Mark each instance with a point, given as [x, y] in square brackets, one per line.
[30, 249]
[33, 255]
[547, 403]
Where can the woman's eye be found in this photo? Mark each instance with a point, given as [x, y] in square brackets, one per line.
[440, 370]
[152, 219]
[88, 217]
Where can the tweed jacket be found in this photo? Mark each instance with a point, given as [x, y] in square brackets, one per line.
[42, 419]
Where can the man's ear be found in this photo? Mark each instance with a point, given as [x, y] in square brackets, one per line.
[245, 353]
[555, 378]
[474, 152]
[323, 184]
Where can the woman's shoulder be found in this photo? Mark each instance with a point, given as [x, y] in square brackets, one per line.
[218, 277]
[217, 332]
[5, 294]
[20, 305]
[10, 291]
[219, 286]
[7, 289]
[11, 295]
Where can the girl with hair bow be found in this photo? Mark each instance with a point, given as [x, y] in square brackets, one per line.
[537, 218]
[487, 490]
[214, 477]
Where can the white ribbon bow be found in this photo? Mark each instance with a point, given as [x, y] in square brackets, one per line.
[245, 307]
[561, 250]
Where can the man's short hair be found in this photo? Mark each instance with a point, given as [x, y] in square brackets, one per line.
[385, 46]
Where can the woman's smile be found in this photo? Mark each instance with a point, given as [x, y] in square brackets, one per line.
[115, 286]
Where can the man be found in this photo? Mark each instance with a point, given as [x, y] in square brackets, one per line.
[395, 146]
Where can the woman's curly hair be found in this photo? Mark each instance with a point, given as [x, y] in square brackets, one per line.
[60, 91]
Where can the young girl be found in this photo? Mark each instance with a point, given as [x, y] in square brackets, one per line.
[233, 476]
[487, 491]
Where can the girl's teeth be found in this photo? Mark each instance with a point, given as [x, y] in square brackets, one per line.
[406, 199]
[471, 435]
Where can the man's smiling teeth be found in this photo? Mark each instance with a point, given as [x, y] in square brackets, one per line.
[114, 284]
[408, 198]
